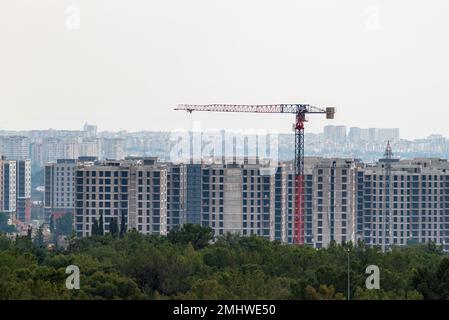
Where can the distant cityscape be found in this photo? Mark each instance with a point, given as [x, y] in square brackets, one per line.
[43, 146]
[361, 184]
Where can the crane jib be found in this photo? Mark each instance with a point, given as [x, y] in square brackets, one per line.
[269, 108]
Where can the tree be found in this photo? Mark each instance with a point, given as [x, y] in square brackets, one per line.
[187, 265]
[113, 227]
[94, 230]
[324, 293]
[101, 226]
[197, 235]
[366, 294]
[122, 225]
[433, 285]
[52, 224]
[64, 225]
[39, 239]
[111, 286]
[4, 226]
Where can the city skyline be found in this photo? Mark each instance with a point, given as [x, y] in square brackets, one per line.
[195, 124]
[367, 144]
[198, 128]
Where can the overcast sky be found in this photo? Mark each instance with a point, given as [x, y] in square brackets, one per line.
[126, 64]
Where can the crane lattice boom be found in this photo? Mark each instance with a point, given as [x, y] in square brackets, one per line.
[300, 110]
[254, 108]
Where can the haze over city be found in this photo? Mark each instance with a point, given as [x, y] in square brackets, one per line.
[126, 66]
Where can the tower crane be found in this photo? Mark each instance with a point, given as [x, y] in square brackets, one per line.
[300, 110]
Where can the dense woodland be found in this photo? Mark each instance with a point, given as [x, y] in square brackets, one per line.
[187, 265]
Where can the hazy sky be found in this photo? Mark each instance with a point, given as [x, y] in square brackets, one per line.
[126, 64]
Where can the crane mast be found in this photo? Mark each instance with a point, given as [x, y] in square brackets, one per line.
[300, 110]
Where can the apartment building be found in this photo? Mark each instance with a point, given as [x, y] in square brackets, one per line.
[112, 148]
[386, 203]
[193, 193]
[23, 190]
[238, 197]
[8, 185]
[135, 189]
[59, 177]
[15, 147]
[404, 202]
[281, 203]
[90, 148]
[176, 195]
[15, 177]
[330, 206]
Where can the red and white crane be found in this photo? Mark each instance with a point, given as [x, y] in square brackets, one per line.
[300, 110]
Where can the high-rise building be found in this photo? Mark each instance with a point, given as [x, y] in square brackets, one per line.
[176, 195]
[380, 135]
[404, 202]
[70, 150]
[37, 156]
[372, 134]
[355, 134]
[23, 178]
[387, 134]
[387, 203]
[15, 147]
[9, 195]
[133, 189]
[367, 134]
[90, 130]
[390, 203]
[340, 134]
[329, 201]
[330, 209]
[290, 211]
[52, 150]
[59, 196]
[239, 198]
[328, 132]
[281, 203]
[2, 160]
[193, 193]
[90, 148]
[113, 149]
[335, 133]
[16, 188]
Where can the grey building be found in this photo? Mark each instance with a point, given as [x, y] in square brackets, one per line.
[239, 198]
[335, 133]
[113, 148]
[176, 195]
[330, 212]
[388, 203]
[355, 134]
[281, 203]
[15, 147]
[404, 202]
[59, 195]
[329, 201]
[133, 189]
[193, 193]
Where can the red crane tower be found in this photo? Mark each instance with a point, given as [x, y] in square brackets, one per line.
[300, 110]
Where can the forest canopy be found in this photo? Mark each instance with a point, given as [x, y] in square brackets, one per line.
[187, 265]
